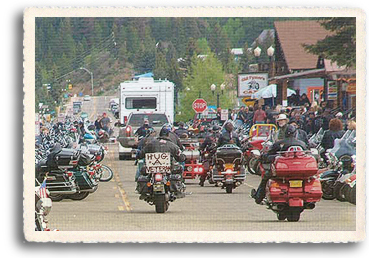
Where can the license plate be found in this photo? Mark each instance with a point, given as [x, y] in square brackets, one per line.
[158, 188]
[229, 166]
[295, 183]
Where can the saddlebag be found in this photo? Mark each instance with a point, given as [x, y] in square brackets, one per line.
[175, 182]
[142, 186]
[84, 159]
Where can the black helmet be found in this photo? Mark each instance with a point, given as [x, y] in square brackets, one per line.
[229, 126]
[290, 131]
[164, 131]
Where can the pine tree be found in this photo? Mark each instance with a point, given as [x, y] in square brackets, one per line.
[341, 46]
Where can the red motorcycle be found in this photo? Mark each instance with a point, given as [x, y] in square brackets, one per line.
[293, 186]
[193, 166]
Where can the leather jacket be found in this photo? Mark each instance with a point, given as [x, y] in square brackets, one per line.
[163, 144]
[228, 138]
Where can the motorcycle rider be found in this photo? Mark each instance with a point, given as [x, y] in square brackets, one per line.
[173, 137]
[151, 134]
[282, 122]
[228, 136]
[143, 130]
[164, 144]
[300, 134]
[282, 145]
[209, 142]
[181, 131]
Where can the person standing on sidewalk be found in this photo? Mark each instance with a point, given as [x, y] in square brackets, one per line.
[259, 116]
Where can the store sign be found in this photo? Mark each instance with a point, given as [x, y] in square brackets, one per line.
[332, 90]
[249, 84]
[351, 88]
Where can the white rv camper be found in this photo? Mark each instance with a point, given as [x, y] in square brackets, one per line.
[147, 95]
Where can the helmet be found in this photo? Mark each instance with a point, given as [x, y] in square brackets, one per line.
[290, 131]
[229, 126]
[168, 126]
[165, 131]
[215, 128]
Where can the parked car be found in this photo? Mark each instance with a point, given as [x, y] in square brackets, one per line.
[87, 98]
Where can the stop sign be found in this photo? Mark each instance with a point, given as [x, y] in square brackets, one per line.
[199, 105]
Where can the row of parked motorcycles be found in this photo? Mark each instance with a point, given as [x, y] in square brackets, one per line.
[67, 167]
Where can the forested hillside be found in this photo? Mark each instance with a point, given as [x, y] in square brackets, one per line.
[115, 49]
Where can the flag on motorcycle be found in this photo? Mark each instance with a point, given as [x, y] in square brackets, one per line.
[42, 190]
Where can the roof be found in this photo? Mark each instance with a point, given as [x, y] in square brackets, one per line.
[292, 35]
[236, 51]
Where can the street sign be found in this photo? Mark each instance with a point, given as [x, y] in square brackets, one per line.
[224, 114]
[248, 101]
[199, 105]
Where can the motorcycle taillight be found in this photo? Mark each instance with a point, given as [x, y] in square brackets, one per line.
[158, 177]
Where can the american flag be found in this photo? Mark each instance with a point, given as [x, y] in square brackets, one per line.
[42, 190]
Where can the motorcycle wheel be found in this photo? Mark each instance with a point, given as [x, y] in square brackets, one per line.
[229, 188]
[252, 165]
[352, 195]
[78, 196]
[281, 216]
[56, 197]
[328, 190]
[337, 191]
[293, 215]
[106, 173]
[344, 192]
[160, 203]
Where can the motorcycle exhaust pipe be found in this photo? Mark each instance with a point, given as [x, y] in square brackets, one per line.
[238, 183]
[278, 207]
[219, 184]
[310, 205]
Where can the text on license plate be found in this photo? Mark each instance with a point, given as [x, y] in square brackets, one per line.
[295, 183]
[158, 188]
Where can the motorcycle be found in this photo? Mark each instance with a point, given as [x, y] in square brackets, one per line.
[293, 187]
[332, 180]
[228, 170]
[43, 206]
[162, 183]
[193, 167]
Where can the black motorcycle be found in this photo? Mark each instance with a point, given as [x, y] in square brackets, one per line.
[160, 181]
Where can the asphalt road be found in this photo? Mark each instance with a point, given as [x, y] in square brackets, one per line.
[115, 206]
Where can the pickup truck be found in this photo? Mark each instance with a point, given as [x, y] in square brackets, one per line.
[127, 139]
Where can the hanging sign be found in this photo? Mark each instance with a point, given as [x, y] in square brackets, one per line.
[249, 84]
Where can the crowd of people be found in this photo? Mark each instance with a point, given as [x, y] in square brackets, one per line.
[308, 118]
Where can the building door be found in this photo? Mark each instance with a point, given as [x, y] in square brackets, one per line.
[314, 93]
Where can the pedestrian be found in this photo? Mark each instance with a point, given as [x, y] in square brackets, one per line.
[303, 100]
[335, 131]
[326, 117]
[259, 116]
[98, 124]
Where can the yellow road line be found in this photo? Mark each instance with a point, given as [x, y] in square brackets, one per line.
[121, 208]
[120, 188]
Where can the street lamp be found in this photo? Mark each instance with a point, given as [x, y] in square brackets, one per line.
[270, 52]
[213, 89]
[92, 80]
[257, 53]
